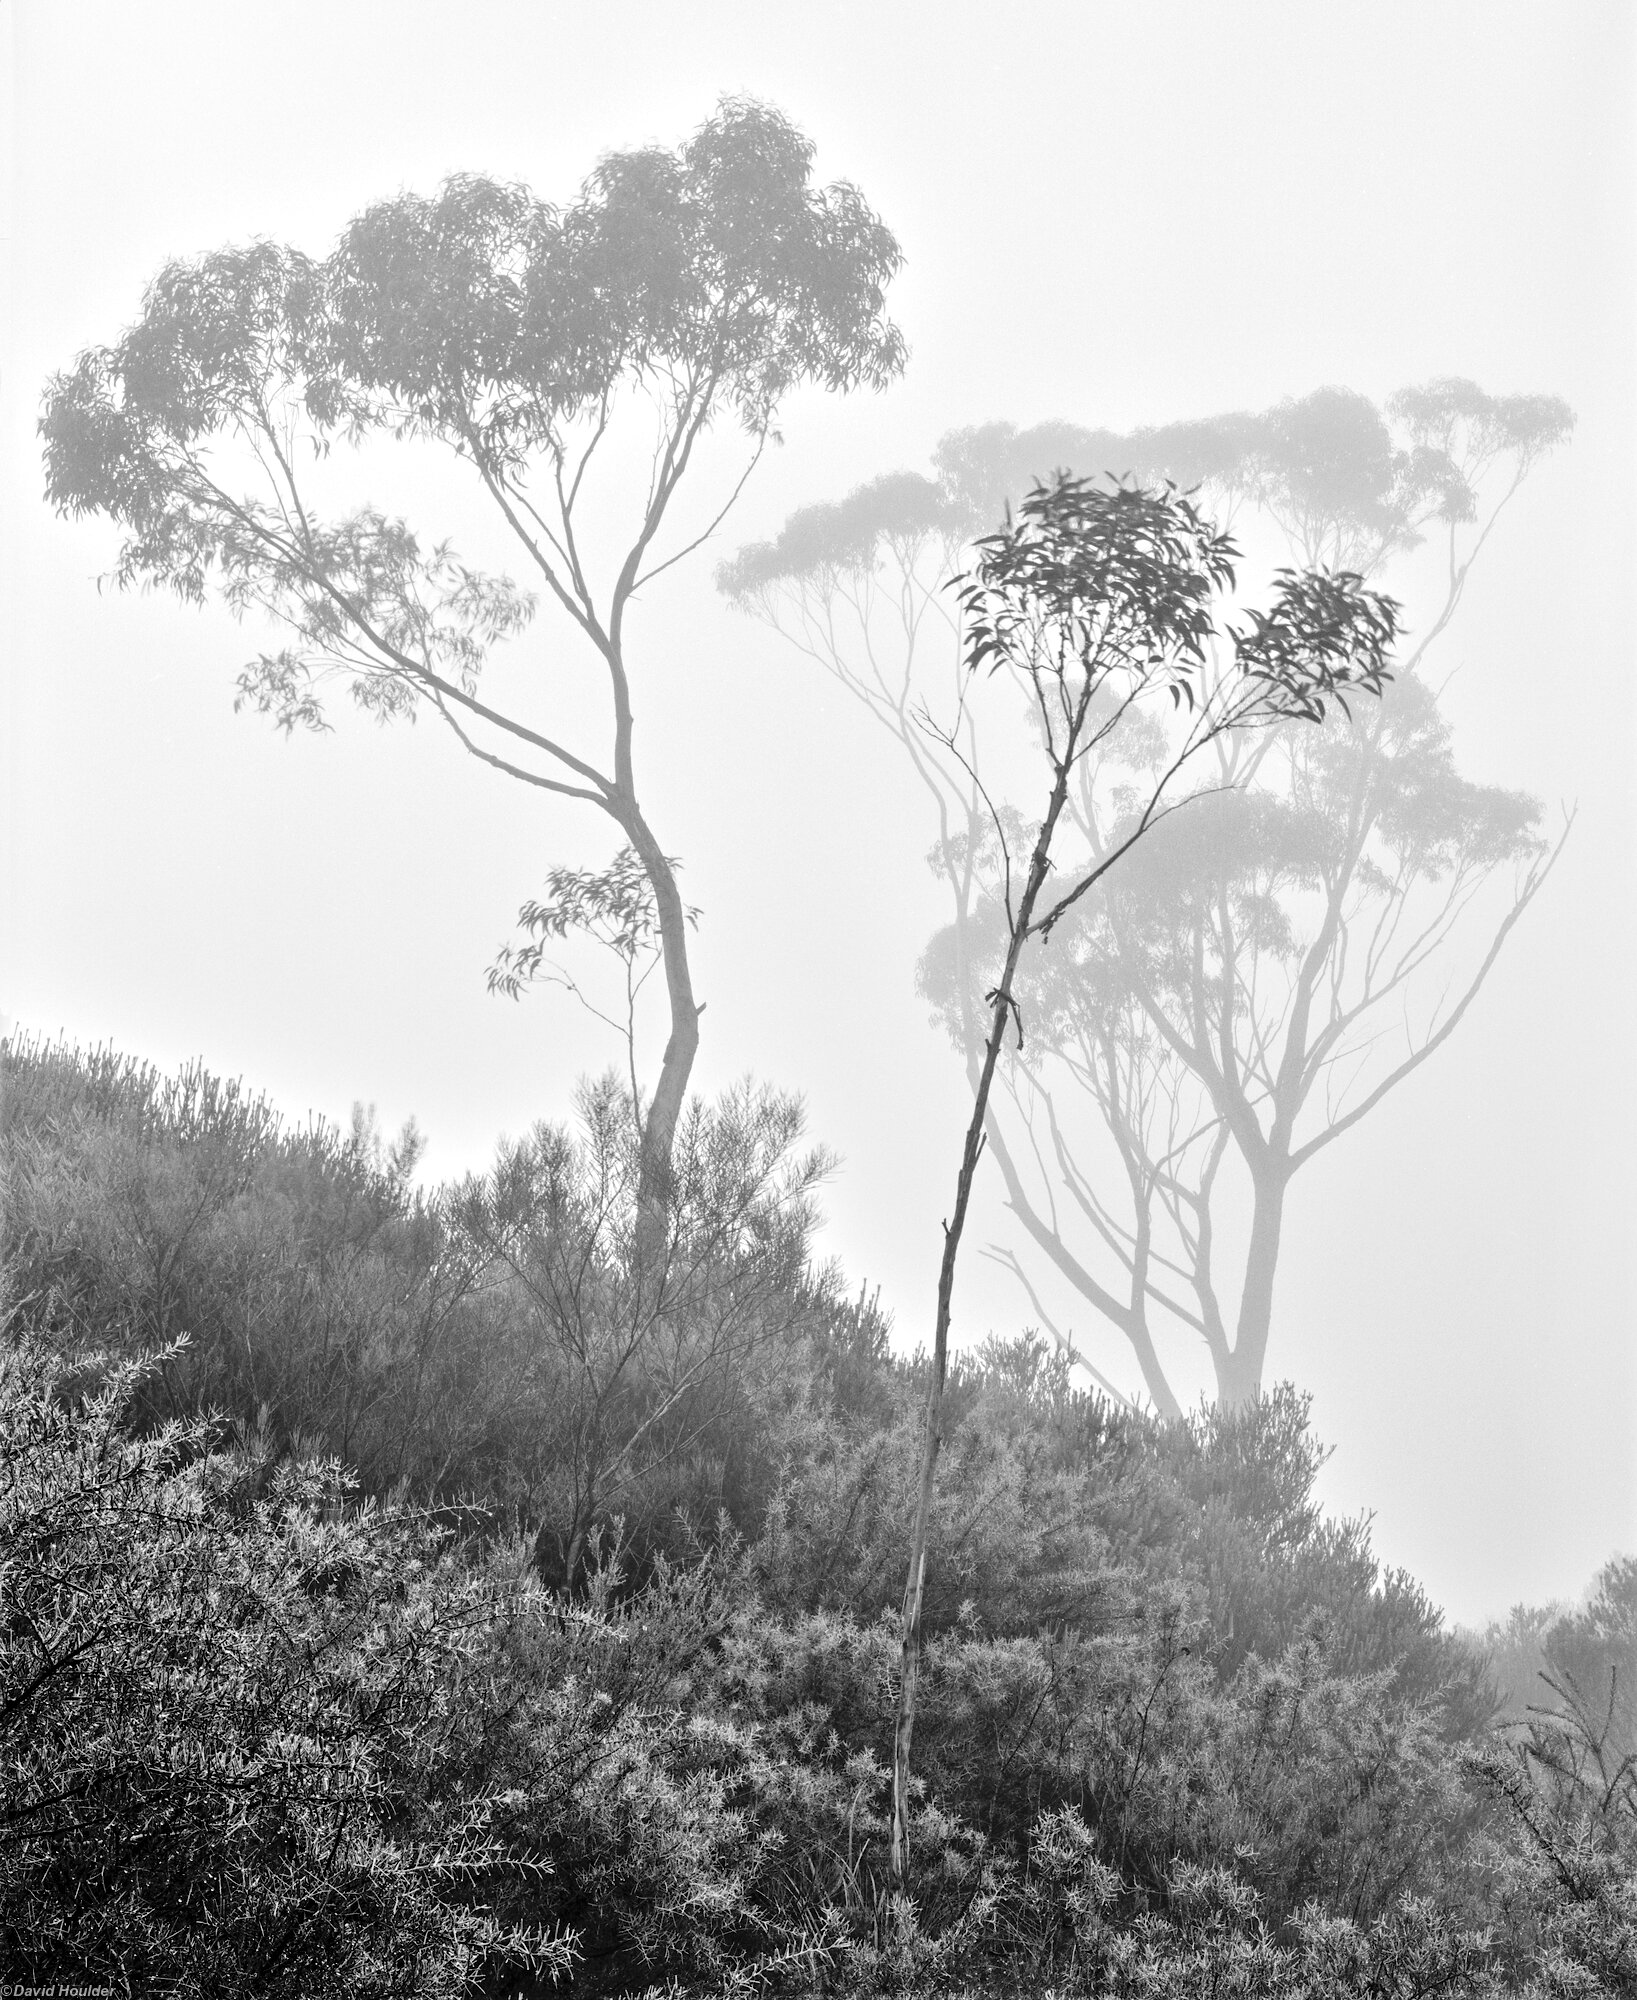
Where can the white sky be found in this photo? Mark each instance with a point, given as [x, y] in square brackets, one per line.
[1112, 215]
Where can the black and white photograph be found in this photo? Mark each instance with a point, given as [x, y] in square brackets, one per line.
[818, 928]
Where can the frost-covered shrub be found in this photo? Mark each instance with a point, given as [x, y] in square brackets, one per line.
[1563, 1888]
[265, 1728]
[260, 1737]
[225, 1711]
[1066, 1921]
[1306, 1783]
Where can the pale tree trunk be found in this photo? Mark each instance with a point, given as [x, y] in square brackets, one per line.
[664, 1110]
[914, 1588]
[1239, 1376]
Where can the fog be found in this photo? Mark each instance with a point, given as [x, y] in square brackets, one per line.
[1111, 217]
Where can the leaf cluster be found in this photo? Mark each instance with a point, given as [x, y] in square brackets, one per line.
[614, 905]
[1124, 577]
[709, 280]
[1119, 585]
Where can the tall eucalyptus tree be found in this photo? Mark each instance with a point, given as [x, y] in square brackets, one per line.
[679, 289]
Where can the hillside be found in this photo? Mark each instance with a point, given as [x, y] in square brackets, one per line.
[406, 1589]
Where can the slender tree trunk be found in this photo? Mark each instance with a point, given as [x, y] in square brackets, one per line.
[1132, 1322]
[1240, 1381]
[571, 1558]
[671, 1092]
[914, 1588]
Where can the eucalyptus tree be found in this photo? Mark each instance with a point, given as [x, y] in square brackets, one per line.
[1102, 607]
[1227, 1005]
[677, 291]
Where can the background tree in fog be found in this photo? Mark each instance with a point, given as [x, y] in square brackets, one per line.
[679, 289]
[1270, 964]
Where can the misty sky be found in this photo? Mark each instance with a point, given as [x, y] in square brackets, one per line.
[1111, 215]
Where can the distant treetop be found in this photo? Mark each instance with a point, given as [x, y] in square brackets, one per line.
[1350, 481]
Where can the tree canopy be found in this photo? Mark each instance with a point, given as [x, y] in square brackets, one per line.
[692, 286]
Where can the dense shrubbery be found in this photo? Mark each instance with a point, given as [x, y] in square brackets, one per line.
[227, 1706]
[426, 1595]
[484, 1345]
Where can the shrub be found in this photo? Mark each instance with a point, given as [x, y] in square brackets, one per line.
[612, 1699]
[319, 1299]
[621, 1382]
[1563, 1890]
[491, 1343]
[226, 1698]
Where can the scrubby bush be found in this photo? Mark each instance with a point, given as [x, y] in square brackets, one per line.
[226, 1702]
[1563, 1891]
[318, 1295]
[627, 1382]
[1053, 1505]
[1305, 1782]
[432, 1593]
[1065, 1922]
[489, 1343]
[257, 1737]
